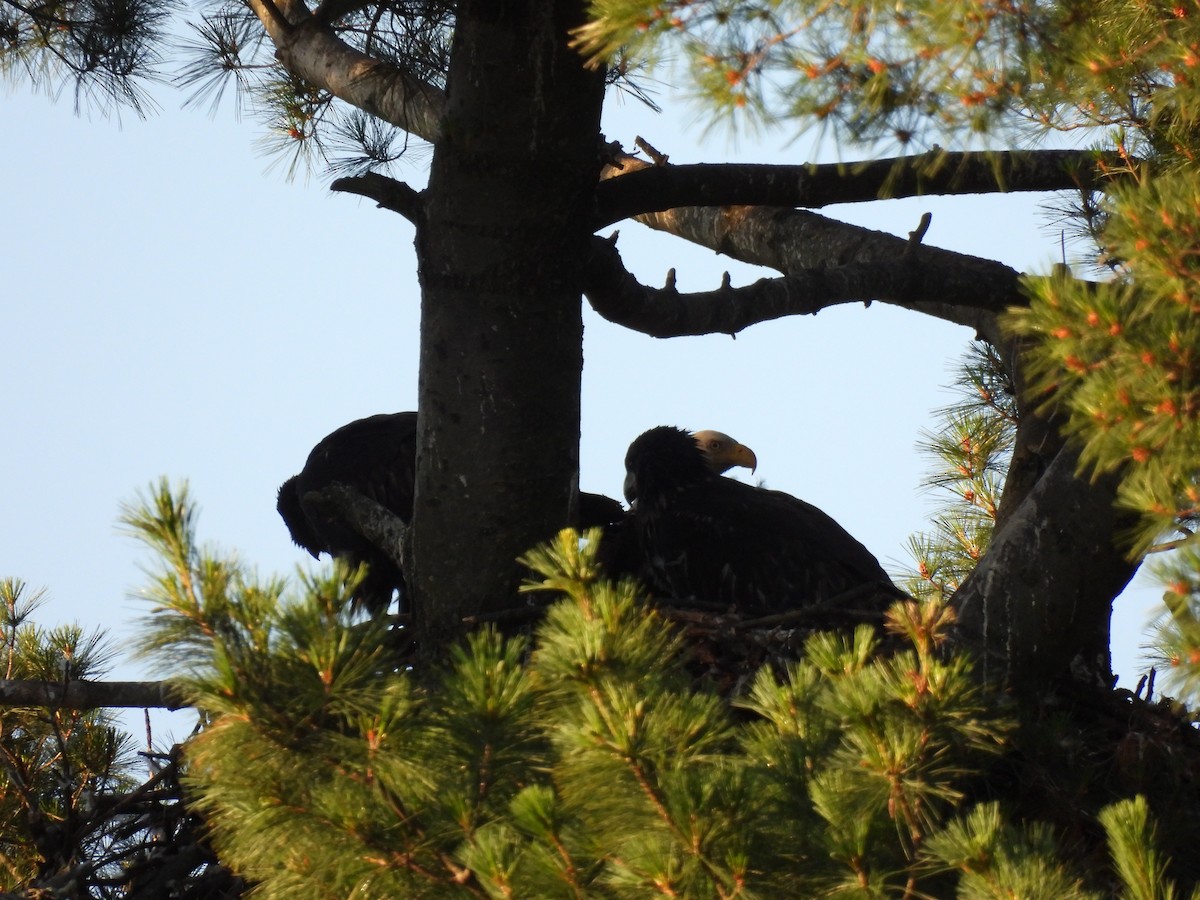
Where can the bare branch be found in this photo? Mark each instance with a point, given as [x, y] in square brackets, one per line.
[388, 193]
[639, 187]
[969, 291]
[376, 523]
[91, 694]
[664, 312]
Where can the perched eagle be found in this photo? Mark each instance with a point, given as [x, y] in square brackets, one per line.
[717, 542]
[377, 457]
[620, 549]
[720, 452]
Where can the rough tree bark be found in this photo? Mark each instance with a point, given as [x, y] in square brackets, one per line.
[1039, 603]
[507, 219]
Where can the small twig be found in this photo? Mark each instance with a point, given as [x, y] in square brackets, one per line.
[724, 620]
[915, 237]
[156, 756]
[9, 761]
[611, 153]
[1177, 542]
[660, 158]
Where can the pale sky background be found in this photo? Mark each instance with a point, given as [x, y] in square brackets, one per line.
[173, 306]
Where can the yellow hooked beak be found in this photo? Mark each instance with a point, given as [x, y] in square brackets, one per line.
[723, 452]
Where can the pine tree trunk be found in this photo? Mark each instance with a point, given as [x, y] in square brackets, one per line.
[1039, 604]
[508, 215]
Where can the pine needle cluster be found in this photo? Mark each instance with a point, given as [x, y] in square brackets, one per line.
[969, 455]
[1121, 357]
[583, 759]
[913, 74]
[307, 128]
[106, 49]
[1176, 644]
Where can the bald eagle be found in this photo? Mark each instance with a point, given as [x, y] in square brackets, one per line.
[377, 457]
[720, 453]
[716, 542]
[620, 552]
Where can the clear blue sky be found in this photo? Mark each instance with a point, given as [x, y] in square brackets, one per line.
[171, 307]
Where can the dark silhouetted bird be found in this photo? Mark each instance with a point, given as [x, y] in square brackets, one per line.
[620, 549]
[717, 542]
[377, 457]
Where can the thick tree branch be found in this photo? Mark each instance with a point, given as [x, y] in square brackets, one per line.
[388, 193]
[91, 694]
[834, 263]
[664, 312]
[958, 288]
[309, 49]
[639, 187]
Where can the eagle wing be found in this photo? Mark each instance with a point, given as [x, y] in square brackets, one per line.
[724, 543]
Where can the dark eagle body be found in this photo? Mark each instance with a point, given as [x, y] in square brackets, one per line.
[620, 551]
[717, 542]
[377, 457]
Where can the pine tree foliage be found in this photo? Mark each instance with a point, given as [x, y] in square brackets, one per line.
[49, 760]
[587, 758]
[1117, 359]
[998, 859]
[1121, 356]
[969, 455]
[110, 49]
[107, 49]
[1176, 644]
[1131, 841]
[63, 770]
[918, 73]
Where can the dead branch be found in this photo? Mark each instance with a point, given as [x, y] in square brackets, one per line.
[970, 292]
[388, 193]
[91, 694]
